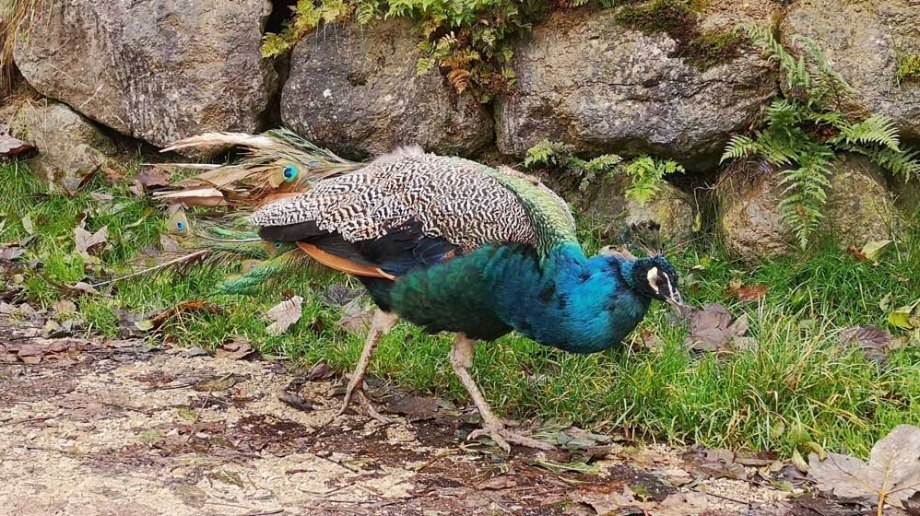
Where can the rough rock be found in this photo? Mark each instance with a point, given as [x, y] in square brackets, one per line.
[599, 87]
[860, 208]
[69, 146]
[358, 93]
[157, 70]
[666, 219]
[863, 41]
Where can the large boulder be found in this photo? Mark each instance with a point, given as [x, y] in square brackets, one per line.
[584, 79]
[157, 70]
[668, 218]
[865, 42]
[860, 208]
[69, 146]
[357, 91]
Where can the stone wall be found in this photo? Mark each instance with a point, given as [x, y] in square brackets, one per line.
[160, 70]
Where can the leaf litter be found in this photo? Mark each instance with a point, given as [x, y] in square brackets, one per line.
[891, 476]
[712, 329]
[284, 315]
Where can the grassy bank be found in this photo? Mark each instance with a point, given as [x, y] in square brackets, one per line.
[795, 383]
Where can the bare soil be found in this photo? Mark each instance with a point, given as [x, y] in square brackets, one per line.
[117, 428]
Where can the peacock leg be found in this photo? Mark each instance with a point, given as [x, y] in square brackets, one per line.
[461, 358]
[381, 324]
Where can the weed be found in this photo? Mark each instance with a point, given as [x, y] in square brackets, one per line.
[908, 67]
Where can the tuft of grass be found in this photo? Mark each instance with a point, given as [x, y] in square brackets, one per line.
[793, 383]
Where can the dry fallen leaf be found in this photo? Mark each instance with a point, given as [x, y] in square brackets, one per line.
[284, 314]
[152, 177]
[746, 293]
[237, 349]
[11, 252]
[184, 307]
[415, 408]
[682, 504]
[608, 502]
[874, 342]
[712, 329]
[84, 240]
[891, 476]
[296, 401]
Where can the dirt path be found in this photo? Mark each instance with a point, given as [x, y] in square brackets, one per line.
[114, 428]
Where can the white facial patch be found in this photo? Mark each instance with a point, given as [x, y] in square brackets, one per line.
[652, 277]
[670, 287]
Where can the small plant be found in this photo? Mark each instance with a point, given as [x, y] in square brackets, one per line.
[803, 133]
[645, 173]
[908, 67]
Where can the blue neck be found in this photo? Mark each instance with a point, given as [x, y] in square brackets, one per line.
[569, 302]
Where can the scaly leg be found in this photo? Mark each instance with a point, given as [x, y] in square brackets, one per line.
[381, 324]
[461, 358]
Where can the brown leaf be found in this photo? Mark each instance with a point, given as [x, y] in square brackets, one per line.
[284, 314]
[186, 306]
[101, 197]
[320, 371]
[237, 349]
[415, 408]
[614, 501]
[81, 287]
[496, 483]
[712, 329]
[746, 293]
[84, 240]
[65, 306]
[719, 463]
[682, 504]
[892, 474]
[11, 252]
[296, 401]
[874, 342]
[912, 505]
[856, 253]
[152, 177]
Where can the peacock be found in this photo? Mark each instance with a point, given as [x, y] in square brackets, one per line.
[444, 243]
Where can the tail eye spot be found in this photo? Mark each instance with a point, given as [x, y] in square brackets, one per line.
[289, 173]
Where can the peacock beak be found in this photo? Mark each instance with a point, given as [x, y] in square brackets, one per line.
[675, 299]
[678, 305]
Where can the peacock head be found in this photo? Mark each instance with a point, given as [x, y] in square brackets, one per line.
[656, 278]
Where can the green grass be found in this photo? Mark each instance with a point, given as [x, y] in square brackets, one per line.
[794, 385]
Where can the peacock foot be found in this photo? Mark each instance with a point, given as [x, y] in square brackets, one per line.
[504, 437]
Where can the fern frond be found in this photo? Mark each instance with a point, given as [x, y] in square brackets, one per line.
[875, 130]
[900, 163]
[740, 146]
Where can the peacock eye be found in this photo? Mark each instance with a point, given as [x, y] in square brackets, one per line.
[277, 245]
[180, 226]
[289, 173]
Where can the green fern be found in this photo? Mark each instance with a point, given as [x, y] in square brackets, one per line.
[803, 132]
[646, 175]
[876, 130]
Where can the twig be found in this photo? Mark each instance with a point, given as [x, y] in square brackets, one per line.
[436, 458]
[24, 421]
